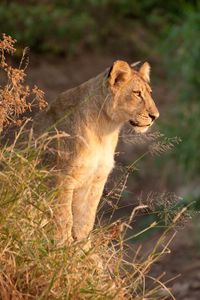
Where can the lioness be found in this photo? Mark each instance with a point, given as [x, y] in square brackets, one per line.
[92, 114]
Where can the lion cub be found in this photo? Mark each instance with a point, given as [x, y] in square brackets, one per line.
[92, 114]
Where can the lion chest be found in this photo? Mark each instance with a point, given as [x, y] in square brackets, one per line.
[101, 163]
[96, 163]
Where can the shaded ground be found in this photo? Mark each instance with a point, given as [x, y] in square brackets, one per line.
[56, 75]
[184, 260]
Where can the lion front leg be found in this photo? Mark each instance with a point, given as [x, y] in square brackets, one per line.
[84, 207]
[63, 213]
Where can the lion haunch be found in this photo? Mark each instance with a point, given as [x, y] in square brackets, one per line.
[92, 114]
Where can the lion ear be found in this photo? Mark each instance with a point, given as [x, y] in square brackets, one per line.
[119, 73]
[145, 71]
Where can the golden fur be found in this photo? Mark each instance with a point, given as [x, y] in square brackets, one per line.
[92, 114]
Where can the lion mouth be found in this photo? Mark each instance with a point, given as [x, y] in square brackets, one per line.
[134, 124]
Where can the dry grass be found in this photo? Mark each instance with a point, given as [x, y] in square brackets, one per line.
[32, 265]
[15, 95]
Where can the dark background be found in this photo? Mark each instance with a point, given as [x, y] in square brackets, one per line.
[71, 41]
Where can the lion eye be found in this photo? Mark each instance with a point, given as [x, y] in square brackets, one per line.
[137, 93]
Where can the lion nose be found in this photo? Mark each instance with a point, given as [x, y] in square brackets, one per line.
[154, 116]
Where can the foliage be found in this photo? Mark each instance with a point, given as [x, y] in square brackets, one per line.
[181, 53]
[45, 27]
[60, 27]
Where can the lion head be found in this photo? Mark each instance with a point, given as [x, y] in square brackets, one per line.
[131, 96]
